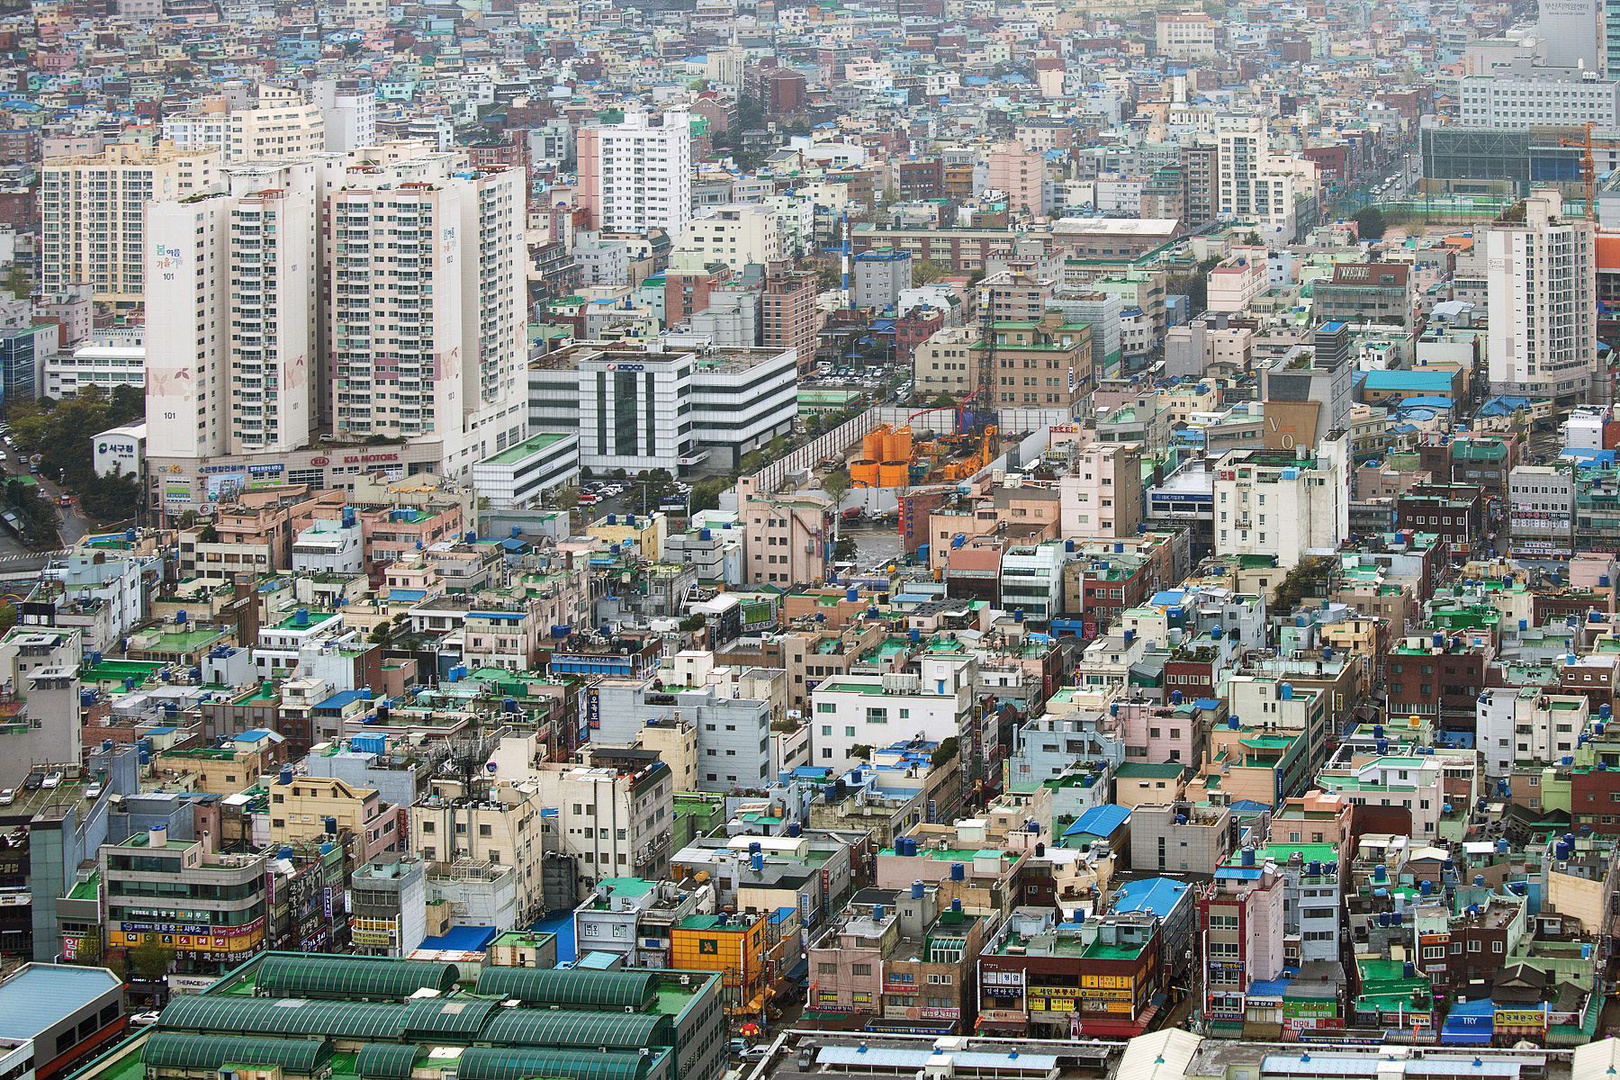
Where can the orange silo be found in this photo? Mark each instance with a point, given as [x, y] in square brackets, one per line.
[863, 473]
[893, 474]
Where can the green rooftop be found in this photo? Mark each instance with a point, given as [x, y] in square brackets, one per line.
[532, 445]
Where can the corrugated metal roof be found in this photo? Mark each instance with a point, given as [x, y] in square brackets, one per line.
[285, 1016]
[385, 1061]
[578, 1027]
[350, 976]
[464, 1017]
[584, 989]
[182, 1050]
[486, 1063]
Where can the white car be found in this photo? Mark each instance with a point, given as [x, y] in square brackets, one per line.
[142, 1019]
[8, 796]
[52, 780]
[93, 792]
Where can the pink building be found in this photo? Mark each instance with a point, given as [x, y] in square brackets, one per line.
[1316, 817]
[1156, 732]
[1021, 174]
[1240, 918]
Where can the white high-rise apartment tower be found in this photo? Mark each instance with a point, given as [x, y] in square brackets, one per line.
[637, 175]
[426, 324]
[93, 212]
[1541, 282]
[417, 334]
[230, 333]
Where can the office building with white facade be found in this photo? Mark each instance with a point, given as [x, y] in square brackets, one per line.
[661, 405]
[1523, 96]
[521, 474]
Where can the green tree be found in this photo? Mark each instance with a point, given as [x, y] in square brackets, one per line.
[567, 497]
[835, 484]
[706, 492]
[925, 272]
[844, 550]
[110, 498]
[151, 960]
[126, 406]
[1370, 223]
[8, 616]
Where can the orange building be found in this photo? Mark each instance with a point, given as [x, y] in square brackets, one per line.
[731, 946]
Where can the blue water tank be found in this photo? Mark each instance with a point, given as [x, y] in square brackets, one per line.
[956, 906]
[705, 534]
[180, 618]
[1175, 697]
[758, 860]
[1248, 856]
[1286, 691]
[958, 871]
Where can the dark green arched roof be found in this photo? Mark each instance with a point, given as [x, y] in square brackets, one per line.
[386, 1061]
[578, 1027]
[350, 977]
[184, 1050]
[525, 1063]
[228, 1014]
[617, 990]
[456, 1017]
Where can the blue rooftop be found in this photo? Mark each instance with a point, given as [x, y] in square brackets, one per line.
[343, 698]
[1151, 896]
[462, 939]
[1102, 820]
[40, 996]
[1432, 381]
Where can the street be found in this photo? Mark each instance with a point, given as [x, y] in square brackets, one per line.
[71, 526]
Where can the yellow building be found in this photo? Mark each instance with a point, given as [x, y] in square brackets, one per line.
[301, 806]
[645, 531]
[732, 946]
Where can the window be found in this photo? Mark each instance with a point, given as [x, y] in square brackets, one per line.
[860, 969]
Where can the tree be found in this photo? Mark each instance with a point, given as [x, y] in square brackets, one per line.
[925, 272]
[151, 960]
[8, 615]
[706, 492]
[835, 484]
[844, 550]
[127, 406]
[110, 498]
[566, 497]
[1370, 223]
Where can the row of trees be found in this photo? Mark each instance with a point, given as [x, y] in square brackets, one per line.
[62, 433]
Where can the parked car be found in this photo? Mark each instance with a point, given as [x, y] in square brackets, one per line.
[52, 780]
[93, 792]
[8, 796]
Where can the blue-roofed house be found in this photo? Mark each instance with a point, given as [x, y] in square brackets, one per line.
[1105, 824]
[1394, 387]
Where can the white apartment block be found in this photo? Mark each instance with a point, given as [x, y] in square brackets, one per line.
[1541, 286]
[1287, 504]
[283, 126]
[1527, 724]
[1187, 35]
[735, 234]
[637, 175]
[879, 710]
[1253, 183]
[93, 213]
[245, 262]
[349, 114]
[426, 321]
[1522, 97]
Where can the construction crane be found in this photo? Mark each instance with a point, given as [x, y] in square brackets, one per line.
[984, 414]
[1586, 144]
